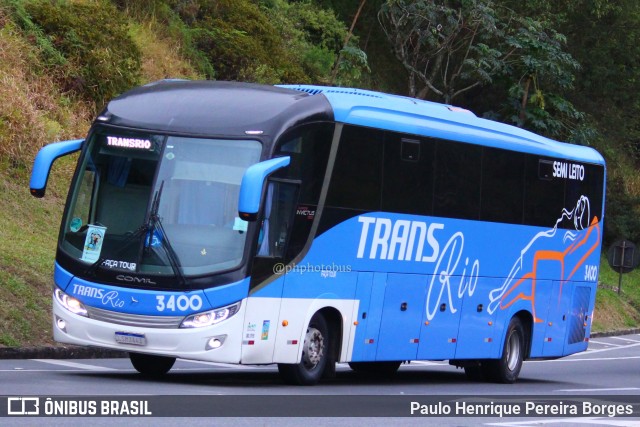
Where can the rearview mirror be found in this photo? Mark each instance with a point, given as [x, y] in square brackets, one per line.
[253, 183]
[45, 158]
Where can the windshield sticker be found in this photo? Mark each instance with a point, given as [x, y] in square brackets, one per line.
[75, 225]
[93, 243]
[156, 240]
[240, 225]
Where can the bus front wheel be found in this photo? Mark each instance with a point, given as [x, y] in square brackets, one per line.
[315, 355]
[507, 368]
[150, 365]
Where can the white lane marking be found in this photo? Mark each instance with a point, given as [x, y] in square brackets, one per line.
[614, 348]
[426, 363]
[579, 390]
[624, 339]
[594, 421]
[68, 364]
[606, 343]
[589, 359]
[40, 370]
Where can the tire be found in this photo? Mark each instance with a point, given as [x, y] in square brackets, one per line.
[506, 369]
[150, 365]
[315, 355]
[376, 368]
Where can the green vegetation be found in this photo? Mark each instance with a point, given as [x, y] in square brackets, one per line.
[99, 58]
[28, 233]
[544, 65]
[613, 311]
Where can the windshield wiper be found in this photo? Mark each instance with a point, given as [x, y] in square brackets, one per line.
[153, 215]
[149, 227]
[155, 222]
[131, 238]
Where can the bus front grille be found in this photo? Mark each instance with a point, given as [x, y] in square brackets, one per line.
[165, 322]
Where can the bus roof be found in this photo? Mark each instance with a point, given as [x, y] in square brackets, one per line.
[418, 117]
[214, 108]
[232, 109]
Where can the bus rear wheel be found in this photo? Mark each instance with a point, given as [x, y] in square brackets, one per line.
[315, 355]
[376, 368]
[150, 365]
[506, 369]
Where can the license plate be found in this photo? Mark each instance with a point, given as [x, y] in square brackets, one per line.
[131, 338]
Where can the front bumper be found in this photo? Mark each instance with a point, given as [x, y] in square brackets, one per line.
[187, 343]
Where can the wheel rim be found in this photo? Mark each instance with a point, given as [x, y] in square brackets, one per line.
[313, 348]
[513, 351]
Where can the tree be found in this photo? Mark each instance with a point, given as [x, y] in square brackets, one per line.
[445, 48]
[538, 73]
[336, 66]
[450, 48]
[326, 48]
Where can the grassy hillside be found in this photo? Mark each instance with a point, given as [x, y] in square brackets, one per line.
[613, 311]
[48, 91]
[37, 109]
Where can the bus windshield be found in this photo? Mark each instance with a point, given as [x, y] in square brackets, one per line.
[152, 204]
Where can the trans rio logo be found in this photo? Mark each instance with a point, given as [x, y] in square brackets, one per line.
[417, 241]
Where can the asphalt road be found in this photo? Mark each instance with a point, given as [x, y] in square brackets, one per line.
[610, 367]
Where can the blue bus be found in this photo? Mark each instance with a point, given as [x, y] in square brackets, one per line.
[305, 226]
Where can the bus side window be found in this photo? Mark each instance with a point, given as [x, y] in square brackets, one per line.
[408, 174]
[457, 180]
[278, 217]
[356, 182]
[502, 186]
[543, 194]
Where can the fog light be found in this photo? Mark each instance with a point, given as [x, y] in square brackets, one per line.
[215, 342]
[62, 325]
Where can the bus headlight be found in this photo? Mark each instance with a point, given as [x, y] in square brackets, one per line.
[211, 317]
[70, 303]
